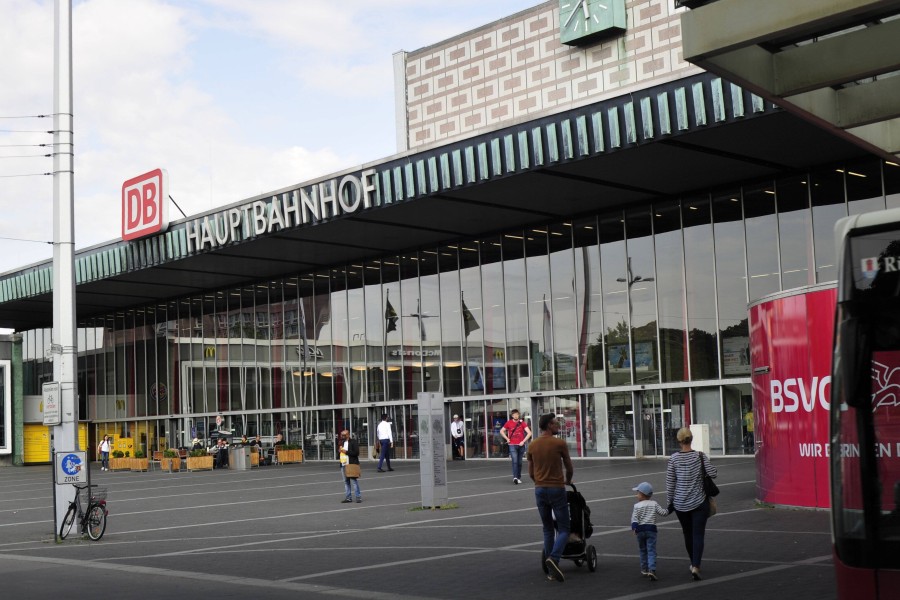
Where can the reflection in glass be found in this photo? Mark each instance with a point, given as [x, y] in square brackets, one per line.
[562, 286]
[762, 240]
[613, 267]
[621, 424]
[864, 192]
[731, 287]
[518, 357]
[828, 206]
[471, 316]
[589, 315]
[700, 287]
[540, 309]
[493, 323]
[451, 322]
[709, 411]
[640, 278]
[794, 230]
[670, 292]
[891, 174]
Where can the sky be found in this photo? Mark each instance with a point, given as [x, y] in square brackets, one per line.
[233, 98]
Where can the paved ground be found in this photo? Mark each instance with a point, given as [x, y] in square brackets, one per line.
[281, 532]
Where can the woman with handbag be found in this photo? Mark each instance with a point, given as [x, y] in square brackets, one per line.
[350, 469]
[684, 488]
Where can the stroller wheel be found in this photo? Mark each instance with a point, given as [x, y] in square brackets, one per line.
[578, 562]
[544, 563]
[592, 558]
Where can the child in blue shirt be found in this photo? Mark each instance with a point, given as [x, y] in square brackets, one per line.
[643, 523]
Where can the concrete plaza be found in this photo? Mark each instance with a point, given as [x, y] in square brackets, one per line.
[282, 532]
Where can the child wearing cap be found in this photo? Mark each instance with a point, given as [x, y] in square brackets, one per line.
[643, 523]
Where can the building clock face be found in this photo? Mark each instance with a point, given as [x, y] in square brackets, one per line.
[585, 21]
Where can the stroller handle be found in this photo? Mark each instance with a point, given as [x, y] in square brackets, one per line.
[572, 485]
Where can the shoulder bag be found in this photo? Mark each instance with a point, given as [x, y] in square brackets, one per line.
[710, 488]
[352, 471]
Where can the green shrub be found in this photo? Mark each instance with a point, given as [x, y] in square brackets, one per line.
[118, 454]
[138, 454]
[169, 453]
[127, 454]
[291, 446]
[198, 452]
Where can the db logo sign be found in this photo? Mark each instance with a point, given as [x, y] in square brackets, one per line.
[145, 205]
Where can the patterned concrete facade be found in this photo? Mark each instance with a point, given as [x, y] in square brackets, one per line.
[516, 69]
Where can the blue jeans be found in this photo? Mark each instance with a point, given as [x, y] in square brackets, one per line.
[347, 484]
[104, 460]
[693, 525]
[515, 454]
[385, 453]
[647, 544]
[552, 502]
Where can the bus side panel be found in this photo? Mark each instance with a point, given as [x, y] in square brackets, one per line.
[854, 584]
[888, 584]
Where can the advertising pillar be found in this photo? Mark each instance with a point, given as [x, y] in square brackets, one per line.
[791, 336]
[432, 450]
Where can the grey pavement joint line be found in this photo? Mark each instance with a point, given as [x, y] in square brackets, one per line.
[219, 580]
[693, 585]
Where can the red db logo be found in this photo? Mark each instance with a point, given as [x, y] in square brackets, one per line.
[144, 205]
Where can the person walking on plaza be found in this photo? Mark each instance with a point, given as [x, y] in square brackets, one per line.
[516, 432]
[457, 432]
[103, 450]
[386, 439]
[547, 457]
[684, 488]
[350, 456]
[643, 523]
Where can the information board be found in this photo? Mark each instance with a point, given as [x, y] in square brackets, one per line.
[51, 403]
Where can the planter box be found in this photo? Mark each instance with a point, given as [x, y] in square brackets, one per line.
[170, 464]
[119, 464]
[289, 456]
[140, 464]
[199, 463]
[254, 458]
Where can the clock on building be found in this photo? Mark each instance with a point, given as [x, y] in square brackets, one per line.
[584, 21]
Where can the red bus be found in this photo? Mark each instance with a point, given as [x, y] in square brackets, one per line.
[865, 408]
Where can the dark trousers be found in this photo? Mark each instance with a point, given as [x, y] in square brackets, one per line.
[385, 453]
[693, 525]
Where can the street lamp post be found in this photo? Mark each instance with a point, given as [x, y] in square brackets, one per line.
[630, 280]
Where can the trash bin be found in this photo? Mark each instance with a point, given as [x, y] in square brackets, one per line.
[239, 458]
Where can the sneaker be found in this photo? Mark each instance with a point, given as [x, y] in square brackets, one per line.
[346, 500]
[516, 481]
[358, 500]
[390, 469]
[652, 576]
[695, 574]
[645, 573]
[381, 470]
[554, 569]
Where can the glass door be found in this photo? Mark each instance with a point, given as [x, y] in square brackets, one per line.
[650, 423]
[620, 415]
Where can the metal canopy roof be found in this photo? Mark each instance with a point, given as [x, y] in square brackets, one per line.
[692, 134]
[834, 63]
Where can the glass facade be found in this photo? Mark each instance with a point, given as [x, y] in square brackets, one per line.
[629, 324]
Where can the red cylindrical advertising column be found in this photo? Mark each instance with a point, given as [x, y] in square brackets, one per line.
[791, 335]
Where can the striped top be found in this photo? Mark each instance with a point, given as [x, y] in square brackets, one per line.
[643, 517]
[684, 479]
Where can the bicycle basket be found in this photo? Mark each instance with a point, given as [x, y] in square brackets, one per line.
[98, 493]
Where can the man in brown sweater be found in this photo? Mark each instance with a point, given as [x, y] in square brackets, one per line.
[547, 456]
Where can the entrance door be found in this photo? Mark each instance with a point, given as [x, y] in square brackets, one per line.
[620, 417]
[650, 423]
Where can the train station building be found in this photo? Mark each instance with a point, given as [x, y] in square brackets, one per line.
[576, 221]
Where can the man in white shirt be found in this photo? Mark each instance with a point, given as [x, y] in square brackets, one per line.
[458, 434]
[386, 439]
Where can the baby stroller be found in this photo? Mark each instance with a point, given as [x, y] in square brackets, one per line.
[580, 529]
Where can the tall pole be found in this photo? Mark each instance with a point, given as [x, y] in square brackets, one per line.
[65, 435]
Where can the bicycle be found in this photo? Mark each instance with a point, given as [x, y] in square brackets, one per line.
[92, 520]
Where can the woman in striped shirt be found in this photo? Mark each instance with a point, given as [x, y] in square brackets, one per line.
[684, 488]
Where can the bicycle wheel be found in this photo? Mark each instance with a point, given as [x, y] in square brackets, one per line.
[96, 522]
[67, 522]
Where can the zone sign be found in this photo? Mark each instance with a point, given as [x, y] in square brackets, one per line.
[144, 205]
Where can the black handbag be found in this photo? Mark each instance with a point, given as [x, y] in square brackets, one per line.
[709, 486]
